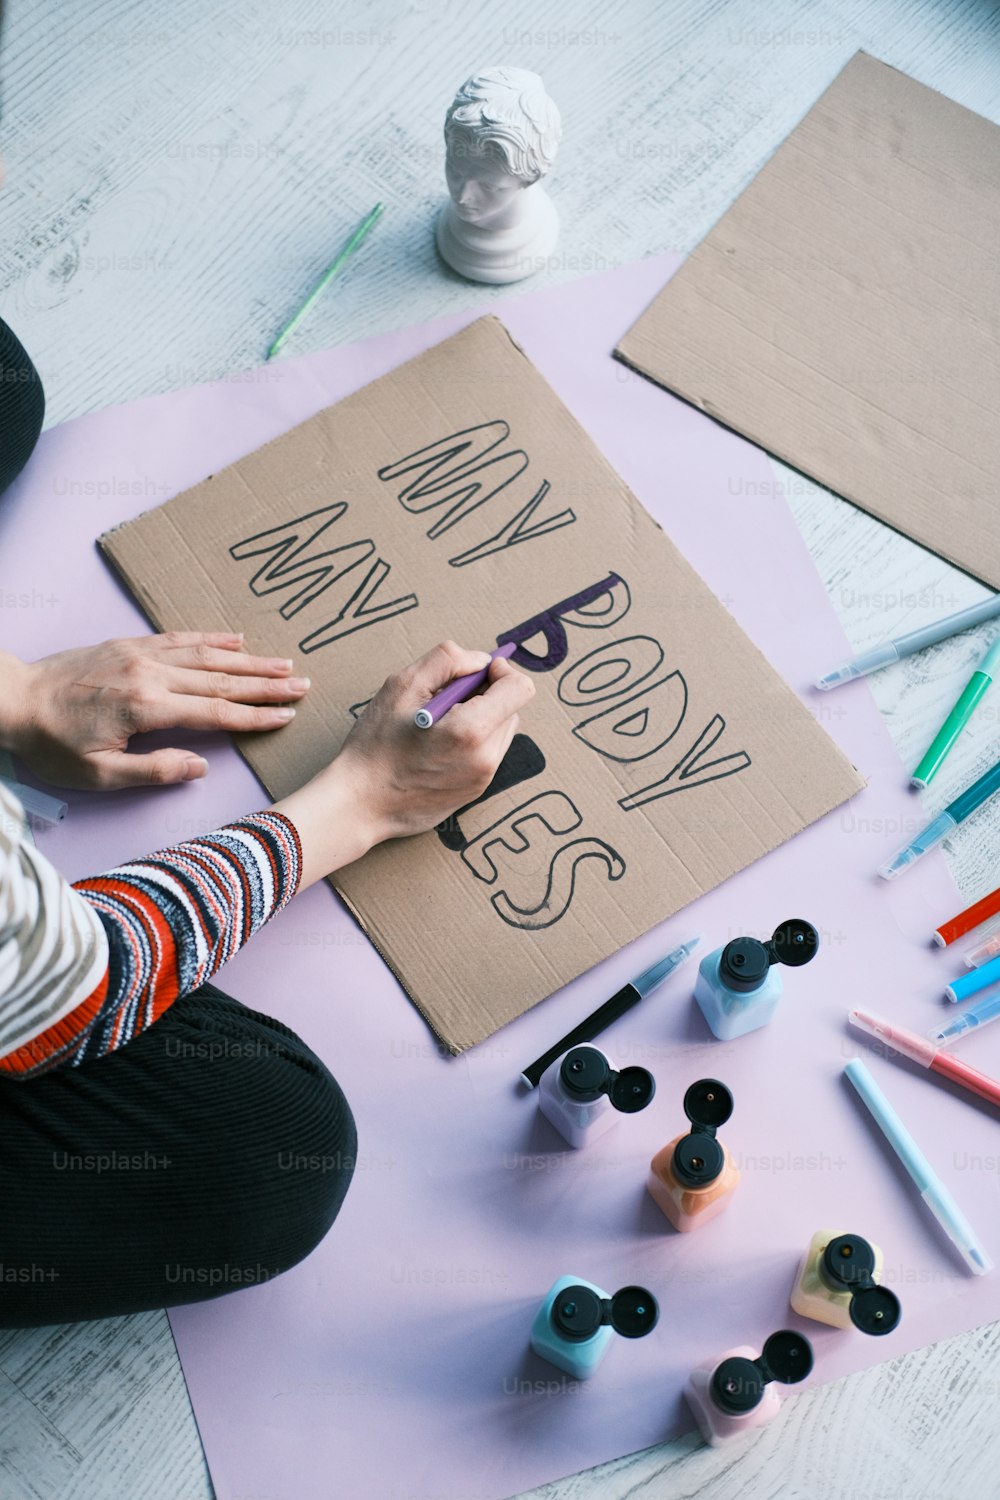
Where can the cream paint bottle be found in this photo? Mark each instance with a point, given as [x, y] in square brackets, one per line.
[838, 1283]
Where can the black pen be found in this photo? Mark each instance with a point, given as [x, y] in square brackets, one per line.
[626, 997]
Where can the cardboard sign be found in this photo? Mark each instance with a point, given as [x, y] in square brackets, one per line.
[845, 312]
[458, 497]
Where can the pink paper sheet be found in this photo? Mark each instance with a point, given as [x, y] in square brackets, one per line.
[394, 1361]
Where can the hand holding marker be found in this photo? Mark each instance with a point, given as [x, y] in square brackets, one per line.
[458, 691]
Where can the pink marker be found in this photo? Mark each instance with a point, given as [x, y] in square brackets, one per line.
[922, 1051]
[457, 691]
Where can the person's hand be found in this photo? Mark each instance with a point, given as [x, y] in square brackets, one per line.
[407, 779]
[70, 716]
[392, 779]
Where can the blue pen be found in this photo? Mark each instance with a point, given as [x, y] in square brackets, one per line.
[939, 828]
[930, 1187]
[979, 1014]
[974, 980]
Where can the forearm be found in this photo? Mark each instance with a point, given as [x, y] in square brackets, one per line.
[170, 922]
[14, 699]
[332, 821]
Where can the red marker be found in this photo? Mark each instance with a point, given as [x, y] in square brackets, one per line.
[965, 921]
[922, 1051]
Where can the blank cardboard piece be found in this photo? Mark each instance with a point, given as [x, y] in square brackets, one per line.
[845, 312]
[460, 498]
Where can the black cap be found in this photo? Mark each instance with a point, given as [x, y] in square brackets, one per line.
[794, 943]
[848, 1265]
[698, 1156]
[847, 1261]
[875, 1309]
[632, 1090]
[634, 1312]
[578, 1312]
[787, 1356]
[708, 1103]
[738, 1383]
[744, 962]
[586, 1074]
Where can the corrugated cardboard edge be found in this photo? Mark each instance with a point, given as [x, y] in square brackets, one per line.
[703, 405]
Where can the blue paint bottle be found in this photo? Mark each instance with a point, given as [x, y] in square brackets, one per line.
[573, 1326]
[738, 986]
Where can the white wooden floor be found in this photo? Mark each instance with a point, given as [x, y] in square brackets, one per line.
[177, 177]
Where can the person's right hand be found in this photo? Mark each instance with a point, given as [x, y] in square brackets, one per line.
[392, 779]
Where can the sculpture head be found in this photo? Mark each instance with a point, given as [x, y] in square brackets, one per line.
[501, 135]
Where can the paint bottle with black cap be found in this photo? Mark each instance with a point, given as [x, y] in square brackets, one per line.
[838, 1283]
[693, 1177]
[575, 1323]
[582, 1093]
[738, 986]
[732, 1395]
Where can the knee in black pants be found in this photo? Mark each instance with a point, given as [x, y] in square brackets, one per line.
[239, 1146]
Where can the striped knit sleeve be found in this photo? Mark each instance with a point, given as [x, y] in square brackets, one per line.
[170, 921]
[53, 947]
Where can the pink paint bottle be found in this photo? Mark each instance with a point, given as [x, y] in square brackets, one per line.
[732, 1395]
[693, 1177]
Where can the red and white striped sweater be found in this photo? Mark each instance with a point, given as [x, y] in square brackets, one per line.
[85, 968]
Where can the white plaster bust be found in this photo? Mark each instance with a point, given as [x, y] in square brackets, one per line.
[501, 135]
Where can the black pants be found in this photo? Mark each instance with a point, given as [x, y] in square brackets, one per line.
[22, 407]
[212, 1152]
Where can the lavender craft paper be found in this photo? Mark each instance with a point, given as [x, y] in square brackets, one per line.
[394, 1361]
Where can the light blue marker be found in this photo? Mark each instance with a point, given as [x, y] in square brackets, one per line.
[905, 645]
[930, 1187]
[979, 1014]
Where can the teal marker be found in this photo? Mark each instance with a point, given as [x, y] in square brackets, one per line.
[958, 718]
[946, 822]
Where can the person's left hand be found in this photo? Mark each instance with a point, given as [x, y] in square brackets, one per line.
[70, 716]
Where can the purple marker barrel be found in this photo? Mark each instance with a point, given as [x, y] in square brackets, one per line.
[457, 691]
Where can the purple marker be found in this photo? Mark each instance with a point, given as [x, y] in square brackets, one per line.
[457, 691]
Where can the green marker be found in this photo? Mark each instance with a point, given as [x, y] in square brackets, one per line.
[958, 718]
[345, 254]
